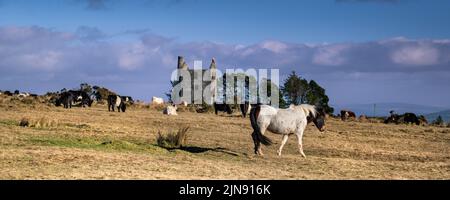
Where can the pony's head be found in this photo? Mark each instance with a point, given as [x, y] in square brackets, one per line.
[318, 118]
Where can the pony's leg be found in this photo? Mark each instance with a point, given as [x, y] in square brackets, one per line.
[256, 142]
[300, 143]
[263, 130]
[283, 142]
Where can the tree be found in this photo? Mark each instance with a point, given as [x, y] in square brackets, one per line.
[438, 121]
[298, 91]
[102, 93]
[86, 88]
[295, 89]
[282, 101]
[316, 96]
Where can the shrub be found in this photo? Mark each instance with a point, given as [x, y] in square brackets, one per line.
[439, 121]
[24, 122]
[158, 107]
[38, 123]
[172, 139]
[28, 101]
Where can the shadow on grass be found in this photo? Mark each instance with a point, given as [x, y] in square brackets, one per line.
[194, 149]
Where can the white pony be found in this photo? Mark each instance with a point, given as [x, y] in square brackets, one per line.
[292, 120]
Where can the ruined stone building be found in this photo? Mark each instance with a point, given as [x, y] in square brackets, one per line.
[200, 84]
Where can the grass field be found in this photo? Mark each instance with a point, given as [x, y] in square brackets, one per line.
[92, 143]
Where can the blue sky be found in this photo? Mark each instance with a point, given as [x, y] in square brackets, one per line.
[242, 22]
[361, 51]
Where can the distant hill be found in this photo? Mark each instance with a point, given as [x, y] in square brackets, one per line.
[444, 114]
[382, 109]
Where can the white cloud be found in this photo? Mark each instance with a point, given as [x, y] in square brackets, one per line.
[42, 60]
[274, 46]
[332, 55]
[416, 55]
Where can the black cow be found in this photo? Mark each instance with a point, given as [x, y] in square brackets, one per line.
[66, 98]
[116, 101]
[223, 108]
[127, 99]
[405, 118]
[410, 118]
[8, 93]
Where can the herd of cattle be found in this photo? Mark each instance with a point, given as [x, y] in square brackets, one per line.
[69, 98]
[18, 94]
[406, 118]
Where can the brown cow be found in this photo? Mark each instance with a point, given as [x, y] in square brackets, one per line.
[346, 114]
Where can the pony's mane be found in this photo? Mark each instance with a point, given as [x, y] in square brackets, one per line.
[307, 109]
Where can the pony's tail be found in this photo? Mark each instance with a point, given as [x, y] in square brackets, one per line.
[254, 112]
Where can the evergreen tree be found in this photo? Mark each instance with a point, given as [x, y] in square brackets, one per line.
[439, 121]
[295, 89]
[298, 91]
[316, 96]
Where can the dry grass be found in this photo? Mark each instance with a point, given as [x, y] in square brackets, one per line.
[92, 143]
[172, 139]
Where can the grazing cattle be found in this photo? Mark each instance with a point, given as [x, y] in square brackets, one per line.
[127, 99]
[82, 97]
[292, 120]
[346, 114]
[66, 98]
[223, 108]
[410, 118]
[8, 93]
[392, 119]
[406, 118]
[116, 101]
[245, 108]
[157, 100]
[170, 110]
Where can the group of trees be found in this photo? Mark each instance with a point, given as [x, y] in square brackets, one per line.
[295, 90]
[97, 92]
